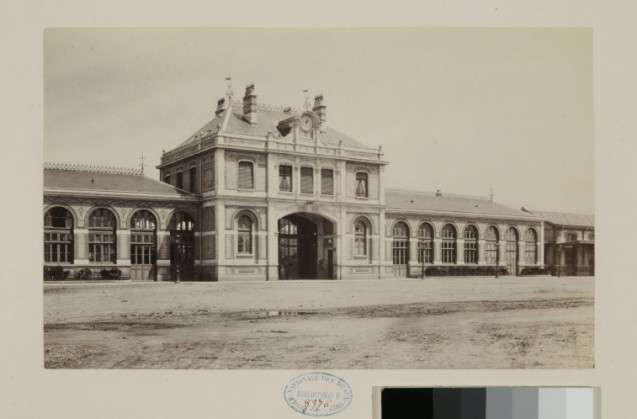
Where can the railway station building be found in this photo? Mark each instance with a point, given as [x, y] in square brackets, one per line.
[272, 193]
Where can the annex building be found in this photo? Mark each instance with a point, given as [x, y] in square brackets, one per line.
[268, 193]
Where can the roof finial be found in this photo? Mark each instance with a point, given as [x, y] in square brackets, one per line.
[491, 194]
[142, 159]
[229, 92]
[307, 103]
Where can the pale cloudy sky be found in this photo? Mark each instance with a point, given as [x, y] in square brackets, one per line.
[461, 110]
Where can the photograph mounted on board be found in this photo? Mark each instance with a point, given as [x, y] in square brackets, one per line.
[318, 198]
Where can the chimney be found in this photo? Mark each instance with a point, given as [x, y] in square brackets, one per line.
[250, 104]
[438, 193]
[319, 109]
[221, 106]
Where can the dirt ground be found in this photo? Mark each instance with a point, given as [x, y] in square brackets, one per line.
[535, 322]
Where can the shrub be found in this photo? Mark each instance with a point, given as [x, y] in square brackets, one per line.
[83, 273]
[55, 273]
[534, 270]
[113, 273]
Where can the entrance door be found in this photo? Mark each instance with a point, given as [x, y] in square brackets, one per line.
[511, 255]
[142, 261]
[181, 255]
[182, 238]
[401, 250]
[297, 248]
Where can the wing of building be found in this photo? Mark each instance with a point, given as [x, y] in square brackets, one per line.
[569, 242]
[268, 193]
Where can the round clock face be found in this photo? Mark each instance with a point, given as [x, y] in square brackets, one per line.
[306, 123]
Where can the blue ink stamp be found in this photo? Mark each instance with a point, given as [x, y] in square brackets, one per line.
[318, 394]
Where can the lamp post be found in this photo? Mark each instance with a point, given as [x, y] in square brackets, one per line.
[497, 259]
[559, 261]
[177, 279]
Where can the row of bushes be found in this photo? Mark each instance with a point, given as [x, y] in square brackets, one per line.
[464, 270]
[58, 273]
[534, 270]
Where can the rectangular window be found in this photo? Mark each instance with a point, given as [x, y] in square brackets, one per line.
[327, 182]
[57, 247]
[180, 180]
[425, 251]
[470, 252]
[101, 247]
[244, 243]
[307, 180]
[448, 251]
[361, 184]
[285, 178]
[246, 175]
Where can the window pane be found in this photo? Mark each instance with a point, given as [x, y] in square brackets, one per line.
[327, 182]
[245, 175]
[307, 180]
[361, 184]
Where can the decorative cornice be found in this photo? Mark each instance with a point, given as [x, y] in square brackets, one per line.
[94, 169]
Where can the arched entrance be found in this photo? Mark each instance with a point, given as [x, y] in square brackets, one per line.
[400, 250]
[143, 245]
[306, 248]
[182, 238]
[511, 238]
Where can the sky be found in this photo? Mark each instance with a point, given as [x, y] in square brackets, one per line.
[460, 110]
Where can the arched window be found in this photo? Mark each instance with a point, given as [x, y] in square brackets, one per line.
[58, 235]
[361, 184]
[491, 245]
[448, 244]
[180, 180]
[400, 249]
[182, 221]
[530, 247]
[101, 236]
[425, 244]
[193, 179]
[471, 244]
[142, 244]
[360, 238]
[246, 175]
[511, 237]
[244, 235]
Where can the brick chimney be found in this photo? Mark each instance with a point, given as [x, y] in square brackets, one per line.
[250, 104]
[319, 109]
[221, 106]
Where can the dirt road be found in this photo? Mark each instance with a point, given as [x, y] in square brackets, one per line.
[431, 323]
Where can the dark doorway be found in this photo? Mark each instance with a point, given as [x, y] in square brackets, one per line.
[182, 238]
[297, 248]
[330, 264]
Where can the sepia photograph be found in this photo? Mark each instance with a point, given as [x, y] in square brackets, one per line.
[351, 198]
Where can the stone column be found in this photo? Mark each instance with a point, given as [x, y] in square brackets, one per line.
[502, 252]
[123, 247]
[437, 251]
[540, 246]
[80, 246]
[272, 237]
[460, 251]
[163, 255]
[482, 244]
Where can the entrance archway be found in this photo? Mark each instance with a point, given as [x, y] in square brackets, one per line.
[306, 248]
[182, 238]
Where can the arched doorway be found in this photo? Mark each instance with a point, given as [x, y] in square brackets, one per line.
[305, 247]
[511, 238]
[182, 238]
[143, 240]
[400, 249]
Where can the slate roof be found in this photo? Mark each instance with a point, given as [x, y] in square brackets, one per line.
[88, 180]
[397, 199]
[567, 219]
[268, 117]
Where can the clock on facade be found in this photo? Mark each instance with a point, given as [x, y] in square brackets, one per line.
[306, 123]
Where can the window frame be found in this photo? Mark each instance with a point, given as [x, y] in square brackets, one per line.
[530, 246]
[491, 245]
[425, 244]
[309, 170]
[58, 240]
[448, 244]
[245, 163]
[242, 234]
[365, 178]
[471, 235]
[360, 249]
[192, 179]
[290, 176]
[331, 170]
[102, 238]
